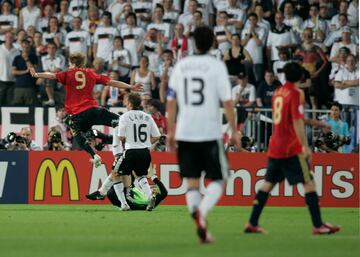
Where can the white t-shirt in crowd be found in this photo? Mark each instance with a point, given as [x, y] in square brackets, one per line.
[30, 17]
[104, 38]
[255, 50]
[6, 60]
[78, 41]
[348, 95]
[132, 38]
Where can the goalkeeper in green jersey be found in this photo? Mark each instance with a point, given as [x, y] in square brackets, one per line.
[137, 199]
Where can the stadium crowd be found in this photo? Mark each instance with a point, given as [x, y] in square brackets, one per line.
[141, 41]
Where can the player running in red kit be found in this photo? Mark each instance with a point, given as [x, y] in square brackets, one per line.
[289, 153]
[80, 104]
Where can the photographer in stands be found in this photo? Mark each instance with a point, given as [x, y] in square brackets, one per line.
[339, 128]
[54, 142]
[26, 143]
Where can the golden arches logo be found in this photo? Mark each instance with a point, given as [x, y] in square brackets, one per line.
[56, 178]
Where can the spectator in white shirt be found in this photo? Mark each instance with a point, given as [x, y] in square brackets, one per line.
[290, 19]
[143, 11]
[353, 14]
[259, 10]
[343, 7]
[43, 22]
[120, 60]
[345, 42]
[158, 23]
[340, 63]
[171, 15]
[64, 16]
[279, 65]
[8, 21]
[8, 53]
[223, 32]
[78, 8]
[335, 36]
[347, 83]
[254, 41]
[29, 15]
[236, 15]
[280, 36]
[318, 25]
[52, 62]
[78, 40]
[104, 37]
[132, 36]
[206, 7]
[187, 18]
[54, 33]
[116, 8]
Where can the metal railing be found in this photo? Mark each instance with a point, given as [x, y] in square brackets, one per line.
[257, 124]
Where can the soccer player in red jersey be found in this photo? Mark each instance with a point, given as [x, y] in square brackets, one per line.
[80, 104]
[289, 153]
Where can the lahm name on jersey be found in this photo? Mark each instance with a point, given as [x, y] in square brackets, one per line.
[138, 117]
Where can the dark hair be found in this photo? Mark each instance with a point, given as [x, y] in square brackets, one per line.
[204, 38]
[293, 72]
[120, 38]
[253, 15]
[167, 51]
[57, 20]
[155, 103]
[135, 100]
[223, 12]
[131, 14]
[25, 41]
[337, 104]
[107, 14]
[199, 12]
[59, 107]
[343, 14]
[315, 5]
[52, 43]
[161, 7]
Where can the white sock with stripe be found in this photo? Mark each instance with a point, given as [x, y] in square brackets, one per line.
[212, 195]
[144, 186]
[119, 190]
[108, 183]
[193, 199]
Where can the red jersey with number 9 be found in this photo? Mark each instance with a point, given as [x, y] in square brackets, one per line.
[287, 105]
[79, 84]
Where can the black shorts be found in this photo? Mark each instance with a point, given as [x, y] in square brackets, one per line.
[137, 160]
[195, 157]
[295, 169]
[83, 121]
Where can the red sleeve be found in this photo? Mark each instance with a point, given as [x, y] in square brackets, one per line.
[101, 79]
[61, 76]
[297, 105]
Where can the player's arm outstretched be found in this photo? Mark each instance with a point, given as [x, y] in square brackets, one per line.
[42, 75]
[122, 85]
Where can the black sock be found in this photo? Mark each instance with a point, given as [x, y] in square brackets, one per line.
[259, 203]
[312, 201]
[84, 145]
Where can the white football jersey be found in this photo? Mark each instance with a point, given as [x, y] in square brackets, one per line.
[199, 83]
[137, 127]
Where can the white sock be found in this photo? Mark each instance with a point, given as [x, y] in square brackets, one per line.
[212, 195]
[119, 190]
[193, 199]
[144, 186]
[108, 183]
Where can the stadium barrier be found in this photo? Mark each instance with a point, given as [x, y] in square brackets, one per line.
[41, 177]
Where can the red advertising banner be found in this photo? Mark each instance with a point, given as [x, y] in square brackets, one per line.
[66, 177]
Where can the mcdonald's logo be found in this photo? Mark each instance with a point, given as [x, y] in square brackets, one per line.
[57, 179]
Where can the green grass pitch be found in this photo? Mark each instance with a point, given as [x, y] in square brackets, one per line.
[168, 231]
